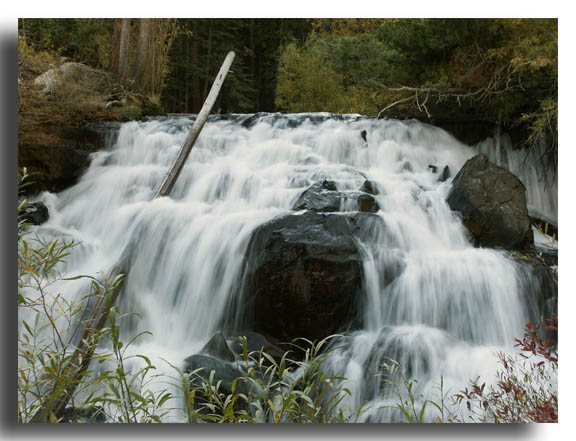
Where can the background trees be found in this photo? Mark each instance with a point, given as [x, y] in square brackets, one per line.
[499, 70]
[502, 70]
[200, 48]
[175, 60]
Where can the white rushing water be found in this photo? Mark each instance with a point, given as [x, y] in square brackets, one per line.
[449, 308]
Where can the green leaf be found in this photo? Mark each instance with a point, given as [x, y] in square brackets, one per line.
[406, 414]
[421, 416]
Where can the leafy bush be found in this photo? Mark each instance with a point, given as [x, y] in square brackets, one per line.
[279, 391]
[48, 334]
[526, 390]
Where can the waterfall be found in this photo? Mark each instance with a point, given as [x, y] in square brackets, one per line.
[448, 308]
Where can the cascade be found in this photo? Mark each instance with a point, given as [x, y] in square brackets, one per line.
[446, 312]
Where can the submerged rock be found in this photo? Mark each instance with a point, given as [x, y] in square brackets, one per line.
[35, 213]
[370, 187]
[323, 196]
[492, 202]
[366, 203]
[445, 174]
[305, 274]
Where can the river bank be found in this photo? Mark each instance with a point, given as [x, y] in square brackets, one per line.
[61, 105]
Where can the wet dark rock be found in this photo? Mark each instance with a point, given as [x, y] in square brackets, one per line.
[293, 120]
[35, 213]
[539, 280]
[218, 347]
[492, 203]
[201, 365]
[323, 196]
[363, 135]
[305, 274]
[445, 174]
[367, 203]
[407, 166]
[256, 342]
[57, 167]
[369, 187]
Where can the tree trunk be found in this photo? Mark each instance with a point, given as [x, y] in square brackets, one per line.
[115, 52]
[208, 61]
[187, 77]
[124, 48]
[195, 81]
[255, 67]
[141, 72]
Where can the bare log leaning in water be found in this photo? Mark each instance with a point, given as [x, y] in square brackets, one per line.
[170, 179]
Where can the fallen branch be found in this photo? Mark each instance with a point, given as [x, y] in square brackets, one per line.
[504, 79]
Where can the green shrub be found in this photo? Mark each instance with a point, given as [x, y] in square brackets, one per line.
[279, 391]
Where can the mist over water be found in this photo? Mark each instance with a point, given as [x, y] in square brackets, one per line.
[434, 302]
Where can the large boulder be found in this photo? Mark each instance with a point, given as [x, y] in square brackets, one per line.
[492, 203]
[74, 83]
[75, 75]
[304, 276]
